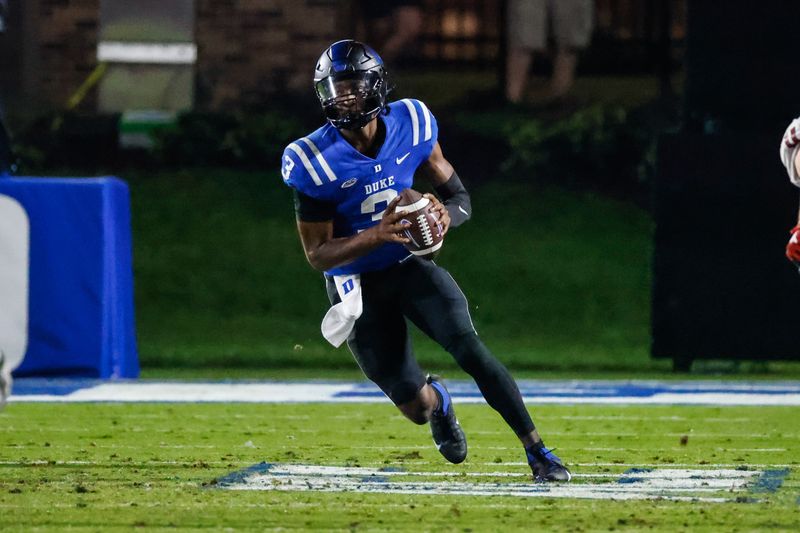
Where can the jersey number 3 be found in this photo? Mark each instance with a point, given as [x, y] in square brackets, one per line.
[287, 168]
[370, 203]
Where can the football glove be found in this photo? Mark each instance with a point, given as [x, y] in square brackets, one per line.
[793, 246]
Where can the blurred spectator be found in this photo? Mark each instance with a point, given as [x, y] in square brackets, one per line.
[569, 21]
[393, 26]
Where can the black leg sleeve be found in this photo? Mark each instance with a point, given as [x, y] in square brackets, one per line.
[493, 380]
[435, 303]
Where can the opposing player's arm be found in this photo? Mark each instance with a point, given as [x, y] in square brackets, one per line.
[324, 252]
[790, 151]
[457, 206]
[797, 163]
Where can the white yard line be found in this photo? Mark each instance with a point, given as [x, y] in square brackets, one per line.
[706, 485]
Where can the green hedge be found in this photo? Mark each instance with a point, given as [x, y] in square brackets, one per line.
[240, 140]
[605, 145]
[609, 148]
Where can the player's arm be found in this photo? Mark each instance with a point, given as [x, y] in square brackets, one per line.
[797, 163]
[457, 206]
[790, 156]
[323, 251]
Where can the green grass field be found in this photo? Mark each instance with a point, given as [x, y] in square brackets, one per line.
[221, 280]
[558, 282]
[112, 467]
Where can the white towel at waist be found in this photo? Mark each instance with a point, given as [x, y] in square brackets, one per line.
[340, 318]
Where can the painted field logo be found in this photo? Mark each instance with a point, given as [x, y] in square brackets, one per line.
[706, 485]
[540, 392]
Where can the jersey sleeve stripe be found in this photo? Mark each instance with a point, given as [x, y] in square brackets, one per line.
[427, 115]
[414, 119]
[306, 162]
[320, 159]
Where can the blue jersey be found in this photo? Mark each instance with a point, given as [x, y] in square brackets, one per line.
[324, 166]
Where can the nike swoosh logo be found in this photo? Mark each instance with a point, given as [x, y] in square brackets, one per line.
[399, 160]
[462, 210]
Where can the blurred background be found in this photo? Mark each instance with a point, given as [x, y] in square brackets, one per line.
[630, 207]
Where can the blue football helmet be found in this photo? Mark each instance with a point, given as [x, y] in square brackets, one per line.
[351, 84]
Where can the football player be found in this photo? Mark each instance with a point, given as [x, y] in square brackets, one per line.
[790, 156]
[346, 177]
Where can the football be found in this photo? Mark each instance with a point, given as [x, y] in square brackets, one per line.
[425, 231]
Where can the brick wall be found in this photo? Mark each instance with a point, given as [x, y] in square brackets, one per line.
[65, 48]
[247, 49]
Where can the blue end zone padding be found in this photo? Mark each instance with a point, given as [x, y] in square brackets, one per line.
[81, 320]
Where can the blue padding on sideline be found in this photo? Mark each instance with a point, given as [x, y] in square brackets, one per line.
[81, 320]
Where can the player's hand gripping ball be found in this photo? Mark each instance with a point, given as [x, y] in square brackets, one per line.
[424, 231]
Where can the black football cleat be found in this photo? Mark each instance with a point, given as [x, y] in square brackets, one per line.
[546, 465]
[447, 433]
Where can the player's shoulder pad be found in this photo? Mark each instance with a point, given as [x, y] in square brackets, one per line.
[305, 164]
[423, 125]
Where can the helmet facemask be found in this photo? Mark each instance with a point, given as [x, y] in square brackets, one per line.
[351, 99]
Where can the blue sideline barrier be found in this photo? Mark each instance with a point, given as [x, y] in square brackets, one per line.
[80, 298]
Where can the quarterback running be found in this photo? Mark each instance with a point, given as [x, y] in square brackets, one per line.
[347, 177]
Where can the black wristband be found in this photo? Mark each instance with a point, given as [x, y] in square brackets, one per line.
[456, 199]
